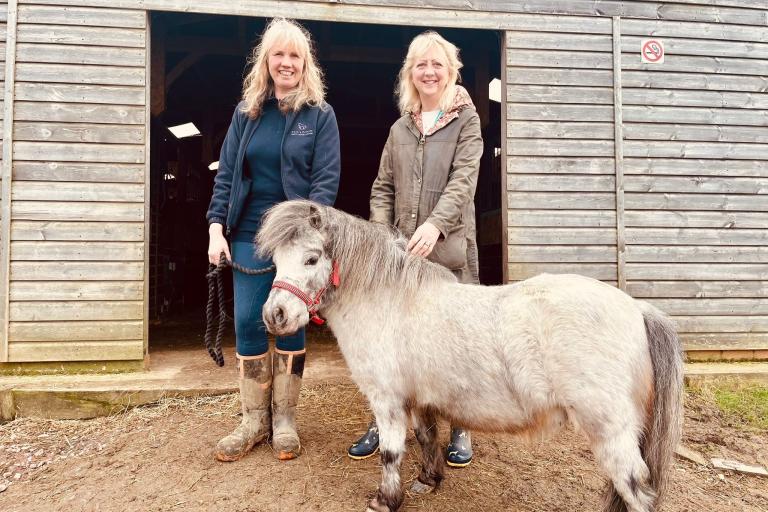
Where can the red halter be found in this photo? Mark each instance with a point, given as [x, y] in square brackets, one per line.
[312, 303]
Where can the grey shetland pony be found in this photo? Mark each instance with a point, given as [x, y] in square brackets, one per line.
[524, 358]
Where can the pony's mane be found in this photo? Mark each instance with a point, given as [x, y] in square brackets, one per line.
[369, 255]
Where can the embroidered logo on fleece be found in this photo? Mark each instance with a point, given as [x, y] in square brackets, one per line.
[302, 130]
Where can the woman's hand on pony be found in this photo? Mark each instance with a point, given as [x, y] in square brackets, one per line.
[423, 240]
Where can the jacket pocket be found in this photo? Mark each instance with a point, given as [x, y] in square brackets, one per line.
[452, 251]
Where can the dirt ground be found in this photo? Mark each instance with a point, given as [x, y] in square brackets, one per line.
[159, 458]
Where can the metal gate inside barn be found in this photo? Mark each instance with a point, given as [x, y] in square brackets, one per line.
[650, 176]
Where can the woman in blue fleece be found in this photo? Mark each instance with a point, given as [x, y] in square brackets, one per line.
[283, 143]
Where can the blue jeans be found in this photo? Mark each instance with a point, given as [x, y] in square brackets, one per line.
[251, 293]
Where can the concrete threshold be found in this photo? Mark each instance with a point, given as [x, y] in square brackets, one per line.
[173, 373]
[191, 372]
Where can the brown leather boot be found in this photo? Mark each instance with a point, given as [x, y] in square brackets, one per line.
[255, 397]
[286, 384]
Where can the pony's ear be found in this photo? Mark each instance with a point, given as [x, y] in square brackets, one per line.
[315, 217]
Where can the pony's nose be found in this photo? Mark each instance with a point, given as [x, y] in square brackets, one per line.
[276, 317]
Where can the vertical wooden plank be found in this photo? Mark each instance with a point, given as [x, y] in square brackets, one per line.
[504, 142]
[156, 71]
[618, 148]
[147, 179]
[5, 223]
[482, 77]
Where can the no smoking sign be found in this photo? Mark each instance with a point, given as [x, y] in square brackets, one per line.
[652, 51]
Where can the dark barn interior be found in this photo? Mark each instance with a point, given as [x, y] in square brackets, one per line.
[198, 63]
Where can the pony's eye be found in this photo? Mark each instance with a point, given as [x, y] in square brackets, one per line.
[312, 260]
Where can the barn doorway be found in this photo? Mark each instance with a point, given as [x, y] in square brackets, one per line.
[198, 62]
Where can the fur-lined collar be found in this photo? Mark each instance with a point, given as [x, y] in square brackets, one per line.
[460, 102]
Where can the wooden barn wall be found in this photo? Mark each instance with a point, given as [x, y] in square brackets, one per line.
[489, 14]
[560, 168]
[696, 179]
[686, 226]
[77, 216]
[676, 211]
[5, 192]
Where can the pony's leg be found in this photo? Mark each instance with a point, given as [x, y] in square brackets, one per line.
[393, 423]
[618, 453]
[432, 463]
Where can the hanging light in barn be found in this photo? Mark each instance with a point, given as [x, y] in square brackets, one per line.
[184, 130]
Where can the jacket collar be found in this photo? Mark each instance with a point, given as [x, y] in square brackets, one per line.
[461, 101]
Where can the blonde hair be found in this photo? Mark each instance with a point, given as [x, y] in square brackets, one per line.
[408, 96]
[258, 85]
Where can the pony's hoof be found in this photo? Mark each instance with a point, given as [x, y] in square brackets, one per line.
[418, 487]
[375, 506]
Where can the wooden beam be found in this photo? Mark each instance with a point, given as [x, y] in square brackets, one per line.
[697, 289]
[6, 171]
[618, 148]
[46, 311]
[77, 270]
[156, 68]
[81, 16]
[146, 238]
[69, 220]
[203, 44]
[43, 93]
[491, 14]
[76, 251]
[79, 74]
[504, 168]
[72, 34]
[57, 351]
[32, 291]
[184, 64]
[482, 103]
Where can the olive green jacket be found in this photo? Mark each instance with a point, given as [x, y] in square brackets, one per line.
[433, 179]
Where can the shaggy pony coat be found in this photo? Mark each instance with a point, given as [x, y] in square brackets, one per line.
[523, 358]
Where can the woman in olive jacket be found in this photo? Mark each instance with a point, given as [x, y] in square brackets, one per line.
[427, 179]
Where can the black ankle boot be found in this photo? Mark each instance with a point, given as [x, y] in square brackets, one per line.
[458, 453]
[367, 445]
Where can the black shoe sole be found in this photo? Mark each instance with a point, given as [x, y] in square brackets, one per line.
[458, 464]
[363, 457]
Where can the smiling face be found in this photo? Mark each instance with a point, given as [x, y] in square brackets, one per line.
[430, 76]
[286, 67]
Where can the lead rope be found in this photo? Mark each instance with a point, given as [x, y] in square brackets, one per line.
[215, 277]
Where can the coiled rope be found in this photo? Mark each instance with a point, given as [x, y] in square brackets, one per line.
[214, 313]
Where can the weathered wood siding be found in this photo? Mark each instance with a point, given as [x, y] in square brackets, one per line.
[658, 185]
[489, 14]
[696, 164]
[560, 130]
[78, 191]
[691, 203]
[5, 191]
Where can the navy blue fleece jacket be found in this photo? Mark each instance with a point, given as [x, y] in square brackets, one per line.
[310, 162]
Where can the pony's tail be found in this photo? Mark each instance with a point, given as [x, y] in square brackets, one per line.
[664, 425]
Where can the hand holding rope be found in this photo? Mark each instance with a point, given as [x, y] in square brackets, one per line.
[214, 313]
